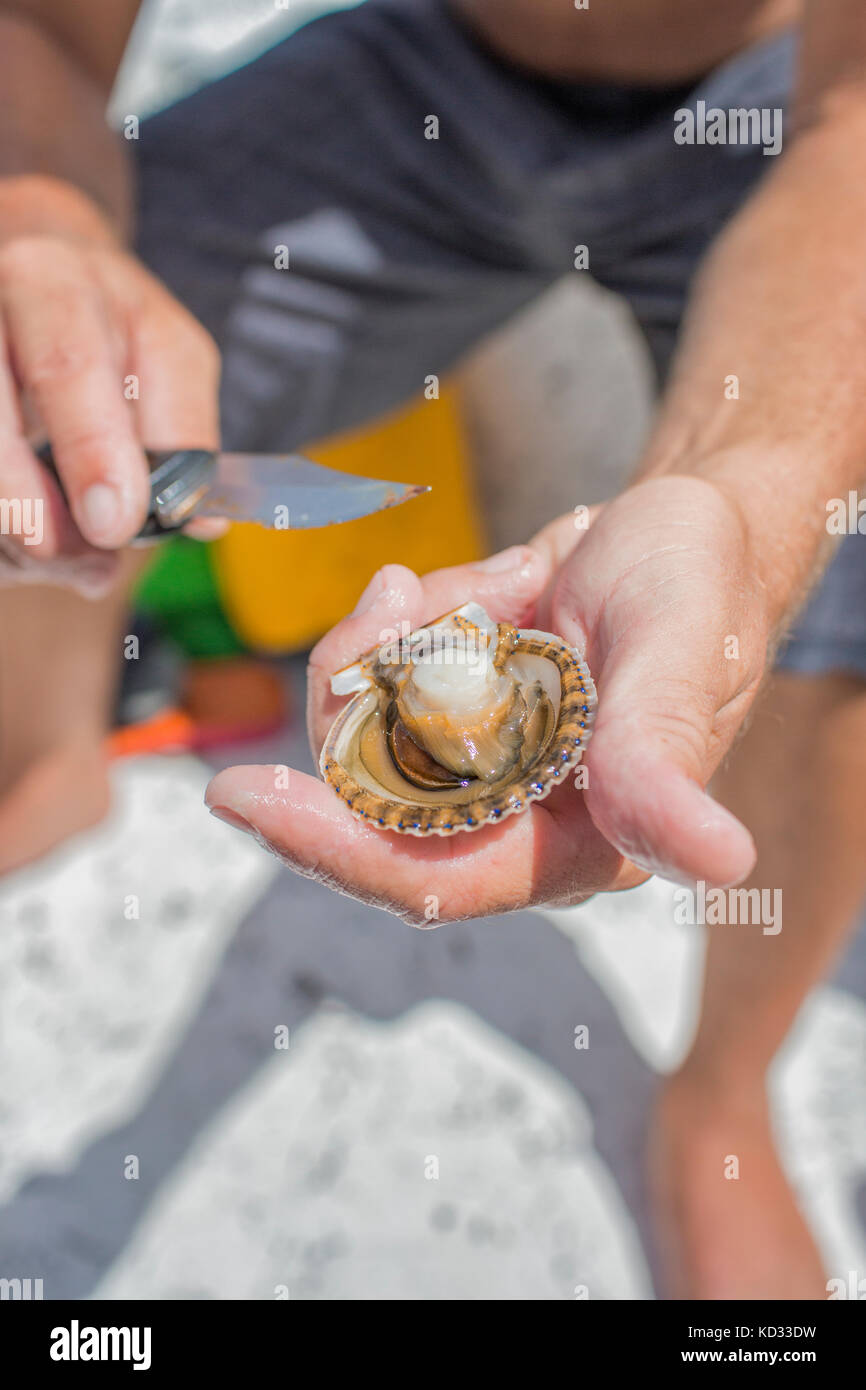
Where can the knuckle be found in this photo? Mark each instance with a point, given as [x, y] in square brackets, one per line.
[59, 361]
[666, 735]
[88, 438]
[22, 255]
[29, 260]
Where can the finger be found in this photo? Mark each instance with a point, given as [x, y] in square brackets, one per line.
[64, 354]
[41, 518]
[178, 368]
[557, 539]
[506, 585]
[40, 544]
[177, 365]
[34, 518]
[393, 597]
[556, 543]
[667, 709]
[652, 751]
[664, 821]
[532, 858]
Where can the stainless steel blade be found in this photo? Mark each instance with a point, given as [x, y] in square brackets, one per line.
[290, 492]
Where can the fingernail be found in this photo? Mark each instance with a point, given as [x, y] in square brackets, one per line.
[510, 559]
[369, 596]
[101, 513]
[232, 818]
[718, 817]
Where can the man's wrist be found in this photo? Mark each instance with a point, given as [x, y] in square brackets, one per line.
[52, 117]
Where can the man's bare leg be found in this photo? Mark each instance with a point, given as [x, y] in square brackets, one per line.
[60, 660]
[798, 780]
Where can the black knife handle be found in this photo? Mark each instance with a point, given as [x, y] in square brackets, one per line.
[178, 479]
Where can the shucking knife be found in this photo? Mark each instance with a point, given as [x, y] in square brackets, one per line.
[284, 491]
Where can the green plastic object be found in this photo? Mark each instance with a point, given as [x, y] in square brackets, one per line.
[178, 593]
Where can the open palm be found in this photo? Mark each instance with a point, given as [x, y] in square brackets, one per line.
[661, 593]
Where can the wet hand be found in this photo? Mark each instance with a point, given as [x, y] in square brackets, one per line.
[660, 592]
[98, 356]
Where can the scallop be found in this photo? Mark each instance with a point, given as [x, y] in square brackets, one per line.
[458, 724]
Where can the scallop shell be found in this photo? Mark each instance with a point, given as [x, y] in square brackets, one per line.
[457, 724]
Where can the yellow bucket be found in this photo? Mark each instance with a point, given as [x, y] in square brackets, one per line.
[281, 590]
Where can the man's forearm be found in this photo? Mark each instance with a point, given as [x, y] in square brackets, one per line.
[52, 126]
[768, 396]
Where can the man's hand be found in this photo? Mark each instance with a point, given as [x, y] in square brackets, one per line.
[661, 592]
[99, 357]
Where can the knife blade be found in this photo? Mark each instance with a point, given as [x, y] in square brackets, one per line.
[286, 492]
[293, 493]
